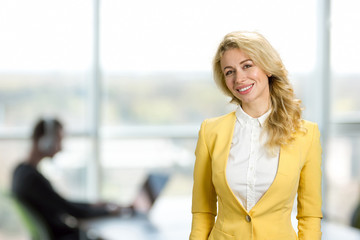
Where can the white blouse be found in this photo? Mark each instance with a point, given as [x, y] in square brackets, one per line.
[250, 168]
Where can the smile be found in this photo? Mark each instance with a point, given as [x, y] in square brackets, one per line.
[245, 88]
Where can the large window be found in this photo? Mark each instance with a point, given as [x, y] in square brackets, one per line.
[132, 82]
[157, 81]
[45, 69]
[343, 157]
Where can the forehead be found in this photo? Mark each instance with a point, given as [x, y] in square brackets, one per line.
[233, 56]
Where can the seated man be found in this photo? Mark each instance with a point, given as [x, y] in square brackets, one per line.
[33, 189]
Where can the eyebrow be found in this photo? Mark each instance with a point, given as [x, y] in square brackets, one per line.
[240, 63]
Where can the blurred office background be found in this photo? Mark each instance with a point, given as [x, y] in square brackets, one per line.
[132, 82]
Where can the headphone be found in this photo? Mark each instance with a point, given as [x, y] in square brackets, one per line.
[47, 142]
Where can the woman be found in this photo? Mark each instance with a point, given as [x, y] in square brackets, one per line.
[251, 163]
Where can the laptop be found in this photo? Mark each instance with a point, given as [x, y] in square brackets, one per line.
[132, 221]
[149, 193]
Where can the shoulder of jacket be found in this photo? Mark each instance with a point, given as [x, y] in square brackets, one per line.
[308, 125]
[307, 132]
[219, 124]
[217, 120]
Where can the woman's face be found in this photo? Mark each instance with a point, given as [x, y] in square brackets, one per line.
[246, 81]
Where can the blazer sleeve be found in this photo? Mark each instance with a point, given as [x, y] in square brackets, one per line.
[309, 193]
[204, 196]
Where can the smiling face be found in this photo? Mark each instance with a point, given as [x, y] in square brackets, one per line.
[246, 81]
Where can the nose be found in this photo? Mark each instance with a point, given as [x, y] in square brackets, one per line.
[240, 76]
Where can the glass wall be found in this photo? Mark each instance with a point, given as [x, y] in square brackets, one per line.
[155, 86]
[157, 80]
[45, 70]
[343, 162]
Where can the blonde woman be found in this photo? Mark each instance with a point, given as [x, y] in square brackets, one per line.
[251, 163]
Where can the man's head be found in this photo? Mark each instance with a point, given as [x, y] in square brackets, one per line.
[47, 136]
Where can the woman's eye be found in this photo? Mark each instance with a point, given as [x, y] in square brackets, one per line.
[228, 73]
[247, 66]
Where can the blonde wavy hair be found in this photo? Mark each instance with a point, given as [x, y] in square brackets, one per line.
[285, 117]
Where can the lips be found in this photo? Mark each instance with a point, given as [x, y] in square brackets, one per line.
[244, 89]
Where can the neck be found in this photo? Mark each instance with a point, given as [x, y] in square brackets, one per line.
[34, 157]
[256, 110]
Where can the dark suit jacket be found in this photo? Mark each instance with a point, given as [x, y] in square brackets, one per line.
[34, 190]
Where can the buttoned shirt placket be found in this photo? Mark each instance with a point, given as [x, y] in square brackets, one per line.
[251, 171]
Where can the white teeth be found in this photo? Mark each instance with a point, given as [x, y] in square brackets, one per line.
[246, 88]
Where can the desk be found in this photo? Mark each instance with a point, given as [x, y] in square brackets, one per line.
[170, 219]
[333, 231]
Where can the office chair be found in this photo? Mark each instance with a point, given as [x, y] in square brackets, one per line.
[32, 221]
[355, 220]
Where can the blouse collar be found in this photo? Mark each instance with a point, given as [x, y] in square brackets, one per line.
[244, 118]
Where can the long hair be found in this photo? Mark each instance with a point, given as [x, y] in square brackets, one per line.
[285, 116]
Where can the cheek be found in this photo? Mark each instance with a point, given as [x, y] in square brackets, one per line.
[256, 75]
[58, 146]
[260, 76]
[229, 84]
[264, 81]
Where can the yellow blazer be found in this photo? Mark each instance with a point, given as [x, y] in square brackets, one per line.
[299, 171]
